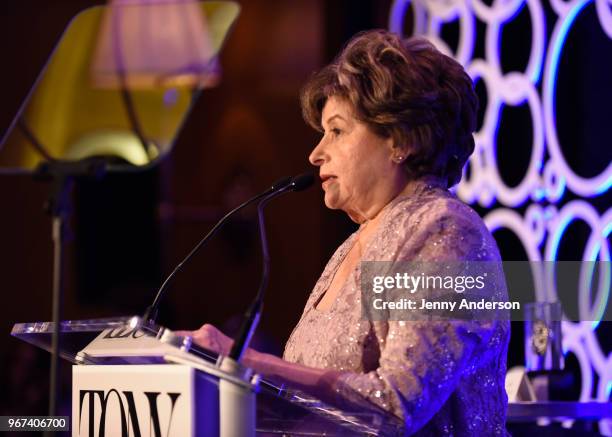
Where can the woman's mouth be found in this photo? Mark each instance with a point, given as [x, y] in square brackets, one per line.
[326, 180]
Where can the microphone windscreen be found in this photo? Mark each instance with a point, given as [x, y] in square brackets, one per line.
[302, 182]
[281, 183]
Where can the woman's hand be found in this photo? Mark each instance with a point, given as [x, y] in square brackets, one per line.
[210, 338]
[317, 382]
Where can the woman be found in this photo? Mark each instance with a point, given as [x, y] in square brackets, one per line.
[397, 119]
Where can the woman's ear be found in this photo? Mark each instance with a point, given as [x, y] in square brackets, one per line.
[399, 153]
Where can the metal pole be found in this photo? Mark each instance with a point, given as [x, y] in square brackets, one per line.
[59, 208]
[54, 379]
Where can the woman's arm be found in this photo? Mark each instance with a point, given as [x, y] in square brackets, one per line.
[422, 361]
[420, 365]
[319, 383]
[315, 382]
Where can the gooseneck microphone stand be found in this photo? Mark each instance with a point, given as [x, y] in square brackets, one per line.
[151, 313]
[253, 313]
[237, 402]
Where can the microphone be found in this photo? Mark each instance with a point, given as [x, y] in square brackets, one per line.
[286, 184]
[253, 313]
[301, 182]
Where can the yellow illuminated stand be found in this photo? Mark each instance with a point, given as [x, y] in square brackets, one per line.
[67, 117]
[72, 124]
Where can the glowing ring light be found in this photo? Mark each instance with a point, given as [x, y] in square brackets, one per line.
[554, 183]
[500, 11]
[398, 12]
[534, 218]
[578, 184]
[578, 209]
[604, 12]
[536, 55]
[517, 90]
[577, 348]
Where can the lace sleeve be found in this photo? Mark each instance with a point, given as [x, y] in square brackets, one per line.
[421, 362]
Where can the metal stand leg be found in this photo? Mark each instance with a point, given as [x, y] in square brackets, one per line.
[59, 208]
[54, 380]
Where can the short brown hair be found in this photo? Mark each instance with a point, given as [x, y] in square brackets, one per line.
[405, 89]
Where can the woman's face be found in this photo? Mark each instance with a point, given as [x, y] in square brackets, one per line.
[356, 166]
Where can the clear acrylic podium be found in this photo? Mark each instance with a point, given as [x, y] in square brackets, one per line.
[102, 349]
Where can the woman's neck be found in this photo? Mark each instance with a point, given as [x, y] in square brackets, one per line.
[406, 189]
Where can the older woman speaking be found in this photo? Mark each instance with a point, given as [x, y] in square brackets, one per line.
[397, 118]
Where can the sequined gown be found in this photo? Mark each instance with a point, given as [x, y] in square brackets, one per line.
[440, 378]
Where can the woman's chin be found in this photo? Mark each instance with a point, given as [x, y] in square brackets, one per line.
[331, 201]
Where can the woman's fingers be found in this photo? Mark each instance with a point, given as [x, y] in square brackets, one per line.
[209, 338]
[183, 333]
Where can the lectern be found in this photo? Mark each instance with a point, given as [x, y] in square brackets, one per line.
[134, 379]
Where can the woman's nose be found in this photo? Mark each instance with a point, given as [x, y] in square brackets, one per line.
[316, 157]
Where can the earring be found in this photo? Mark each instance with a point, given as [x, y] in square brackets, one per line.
[398, 159]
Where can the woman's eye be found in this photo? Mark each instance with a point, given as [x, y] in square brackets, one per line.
[335, 131]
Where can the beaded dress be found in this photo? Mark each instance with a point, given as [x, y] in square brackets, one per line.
[441, 378]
